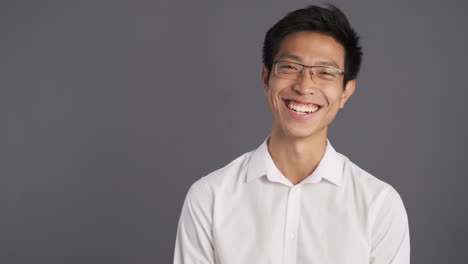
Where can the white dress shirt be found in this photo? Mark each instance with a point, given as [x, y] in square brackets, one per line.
[249, 213]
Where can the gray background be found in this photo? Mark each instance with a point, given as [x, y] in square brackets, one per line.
[110, 110]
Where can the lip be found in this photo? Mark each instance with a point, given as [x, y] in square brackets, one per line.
[297, 116]
[300, 101]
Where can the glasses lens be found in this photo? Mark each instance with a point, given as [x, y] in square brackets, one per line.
[325, 73]
[291, 70]
[288, 70]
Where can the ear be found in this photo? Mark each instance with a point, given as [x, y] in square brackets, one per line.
[265, 79]
[348, 91]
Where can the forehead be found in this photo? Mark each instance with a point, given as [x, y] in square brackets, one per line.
[311, 48]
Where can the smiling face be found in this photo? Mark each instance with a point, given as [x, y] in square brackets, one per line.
[302, 108]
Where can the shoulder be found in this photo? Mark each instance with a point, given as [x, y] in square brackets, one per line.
[380, 201]
[230, 174]
[369, 188]
[355, 175]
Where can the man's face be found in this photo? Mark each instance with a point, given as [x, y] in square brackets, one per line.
[308, 48]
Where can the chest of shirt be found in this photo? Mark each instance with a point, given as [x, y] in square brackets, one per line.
[272, 223]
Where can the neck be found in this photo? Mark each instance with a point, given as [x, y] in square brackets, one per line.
[296, 158]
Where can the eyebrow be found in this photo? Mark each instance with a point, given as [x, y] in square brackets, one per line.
[297, 58]
[290, 56]
[328, 63]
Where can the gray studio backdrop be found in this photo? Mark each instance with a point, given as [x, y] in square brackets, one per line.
[110, 110]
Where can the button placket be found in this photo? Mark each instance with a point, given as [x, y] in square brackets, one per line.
[291, 226]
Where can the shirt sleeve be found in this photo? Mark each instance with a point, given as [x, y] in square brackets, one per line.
[194, 243]
[390, 232]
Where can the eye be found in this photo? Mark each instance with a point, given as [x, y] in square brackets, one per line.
[287, 67]
[327, 73]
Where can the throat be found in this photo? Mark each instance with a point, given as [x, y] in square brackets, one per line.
[296, 160]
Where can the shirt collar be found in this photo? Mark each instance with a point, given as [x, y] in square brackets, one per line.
[261, 164]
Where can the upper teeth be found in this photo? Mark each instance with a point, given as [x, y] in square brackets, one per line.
[302, 108]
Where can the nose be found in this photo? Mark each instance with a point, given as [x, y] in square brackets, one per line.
[305, 83]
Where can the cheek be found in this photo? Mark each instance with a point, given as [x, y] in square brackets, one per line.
[277, 88]
[270, 98]
[274, 101]
[334, 98]
[272, 95]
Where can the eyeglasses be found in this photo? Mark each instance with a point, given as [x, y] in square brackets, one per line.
[291, 71]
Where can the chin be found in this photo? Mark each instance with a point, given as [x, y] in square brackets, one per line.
[299, 132]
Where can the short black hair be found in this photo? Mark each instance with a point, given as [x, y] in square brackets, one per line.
[327, 20]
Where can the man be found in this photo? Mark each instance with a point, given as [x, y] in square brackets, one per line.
[295, 199]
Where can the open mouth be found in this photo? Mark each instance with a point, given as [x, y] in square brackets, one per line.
[301, 108]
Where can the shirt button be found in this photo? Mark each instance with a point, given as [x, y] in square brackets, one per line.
[290, 235]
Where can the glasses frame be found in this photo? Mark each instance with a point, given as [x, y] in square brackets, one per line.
[303, 68]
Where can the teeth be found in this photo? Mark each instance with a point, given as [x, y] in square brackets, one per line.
[301, 113]
[301, 109]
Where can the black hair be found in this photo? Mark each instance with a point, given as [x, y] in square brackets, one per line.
[329, 21]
